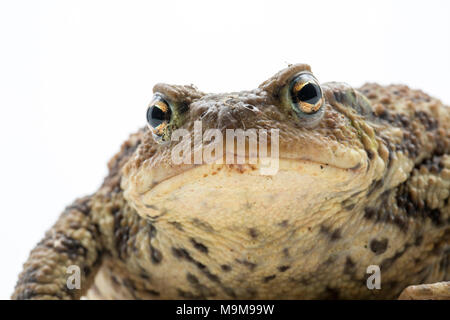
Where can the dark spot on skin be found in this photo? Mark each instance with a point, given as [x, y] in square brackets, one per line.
[427, 120]
[94, 229]
[435, 216]
[399, 221]
[86, 271]
[418, 241]
[152, 231]
[144, 276]
[331, 293]
[68, 245]
[211, 276]
[230, 292]
[121, 235]
[286, 252]
[329, 261]
[339, 96]
[350, 266]
[163, 212]
[403, 120]
[395, 119]
[129, 284]
[155, 255]
[247, 263]
[283, 224]
[434, 164]
[150, 206]
[385, 212]
[410, 144]
[370, 154]
[369, 213]
[177, 225]
[191, 278]
[386, 115]
[199, 246]
[356, 167]
[269, 278]
[378, 246]
[389, 147]
[181, 253]
[152, 292]
[416, 208]
[333, 235]
[387, 263]
[376, 185]
[253, 233]
[283, 268]
[115, 280]
[202, 225]
[202, 290]
[115, 210]
[187, 294]
[350, 207]
[303, 281]
[357, 193]
[199, 265]
[225, 267]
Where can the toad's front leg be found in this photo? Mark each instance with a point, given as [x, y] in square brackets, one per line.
[72, 241]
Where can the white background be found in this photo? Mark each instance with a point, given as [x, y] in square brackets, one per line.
[76, 76]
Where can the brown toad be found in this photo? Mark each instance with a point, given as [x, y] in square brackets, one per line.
[363, 178]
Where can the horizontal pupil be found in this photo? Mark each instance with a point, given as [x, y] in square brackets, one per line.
[155, 116]
[309, 93]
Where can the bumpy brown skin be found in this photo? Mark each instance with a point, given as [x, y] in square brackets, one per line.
[398, 216]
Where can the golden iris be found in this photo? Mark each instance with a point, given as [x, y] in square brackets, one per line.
[158, 115]
[306, 94]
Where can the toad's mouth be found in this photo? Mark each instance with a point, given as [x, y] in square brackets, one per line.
[152, 173]
[193, 190]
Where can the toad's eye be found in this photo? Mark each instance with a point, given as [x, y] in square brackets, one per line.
[305, 94]
[158, 115]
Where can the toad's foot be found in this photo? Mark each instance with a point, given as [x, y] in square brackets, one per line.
[434, 291]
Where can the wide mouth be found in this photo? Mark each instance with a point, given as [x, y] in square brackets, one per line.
[149, 176]
[184, 188]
